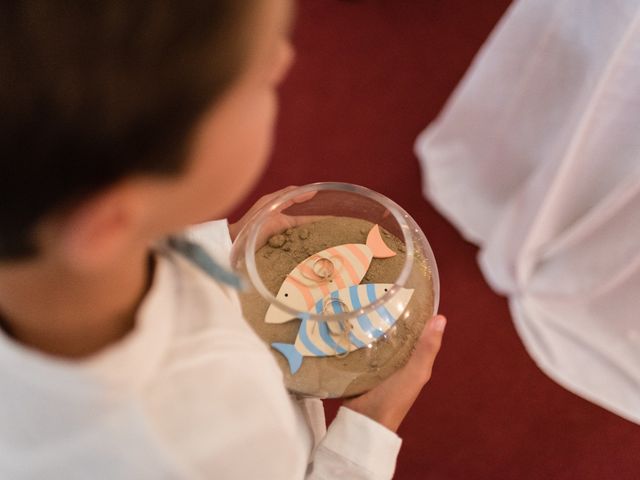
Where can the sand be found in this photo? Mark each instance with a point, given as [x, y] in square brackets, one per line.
[359, 371]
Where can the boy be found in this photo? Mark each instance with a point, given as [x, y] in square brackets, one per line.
[123, 124]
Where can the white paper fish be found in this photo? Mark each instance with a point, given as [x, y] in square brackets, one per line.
[316, 339]
[331, 269]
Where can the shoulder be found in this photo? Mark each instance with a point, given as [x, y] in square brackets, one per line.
[218, 398]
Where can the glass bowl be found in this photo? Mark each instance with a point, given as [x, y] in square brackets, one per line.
[340, 281]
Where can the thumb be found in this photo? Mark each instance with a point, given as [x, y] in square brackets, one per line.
[420, 364]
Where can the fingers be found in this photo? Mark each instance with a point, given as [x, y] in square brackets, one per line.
[283, 191]
[235, 228]
[266, 199]
[262, 201]
[390, 401]
[428, 345]
[297, 199]
[304, 197]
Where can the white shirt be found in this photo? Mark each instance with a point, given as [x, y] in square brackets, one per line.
[190, 393]
[536, 158]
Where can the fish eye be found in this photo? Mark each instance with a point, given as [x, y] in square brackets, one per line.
[386, 289]
[286, 294]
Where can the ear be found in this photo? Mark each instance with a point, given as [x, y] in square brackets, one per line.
[103, 227]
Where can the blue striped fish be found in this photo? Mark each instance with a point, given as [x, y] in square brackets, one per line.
[319, 339]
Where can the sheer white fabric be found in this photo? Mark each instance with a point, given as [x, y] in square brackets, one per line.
[536, 158]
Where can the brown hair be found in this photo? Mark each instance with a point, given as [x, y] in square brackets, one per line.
[93, 91]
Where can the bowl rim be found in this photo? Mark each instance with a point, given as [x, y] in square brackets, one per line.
[400, 215]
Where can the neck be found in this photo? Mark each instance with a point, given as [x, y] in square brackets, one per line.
[67, 314]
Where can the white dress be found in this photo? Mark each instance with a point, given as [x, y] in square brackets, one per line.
[536, 158]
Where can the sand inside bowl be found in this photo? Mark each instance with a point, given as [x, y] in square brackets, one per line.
[364, 368]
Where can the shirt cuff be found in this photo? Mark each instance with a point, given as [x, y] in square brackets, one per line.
[363, 441]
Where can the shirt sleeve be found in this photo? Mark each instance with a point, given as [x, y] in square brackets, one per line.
[355, 447]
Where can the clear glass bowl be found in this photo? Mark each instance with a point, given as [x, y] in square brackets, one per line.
[340, 281]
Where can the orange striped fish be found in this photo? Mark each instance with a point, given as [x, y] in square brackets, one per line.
[331, 269]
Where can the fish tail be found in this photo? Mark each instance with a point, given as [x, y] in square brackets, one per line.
[291, 354]
[377, 245]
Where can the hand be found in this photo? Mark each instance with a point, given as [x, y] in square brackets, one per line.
[390, 401]
[276, 223]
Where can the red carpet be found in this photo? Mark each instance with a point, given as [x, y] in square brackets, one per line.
[370, 76]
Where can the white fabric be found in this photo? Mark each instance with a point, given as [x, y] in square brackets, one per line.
[536, 158]
[190, 393]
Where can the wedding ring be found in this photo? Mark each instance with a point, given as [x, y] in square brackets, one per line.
[323, 268]
[339, 329]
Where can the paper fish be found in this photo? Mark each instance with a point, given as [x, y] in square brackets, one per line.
[331, 269]
[316, 339]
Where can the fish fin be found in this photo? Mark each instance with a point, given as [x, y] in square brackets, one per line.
[377, 245]
[291, 354]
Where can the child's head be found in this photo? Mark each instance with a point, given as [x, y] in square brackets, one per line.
[124, 120]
